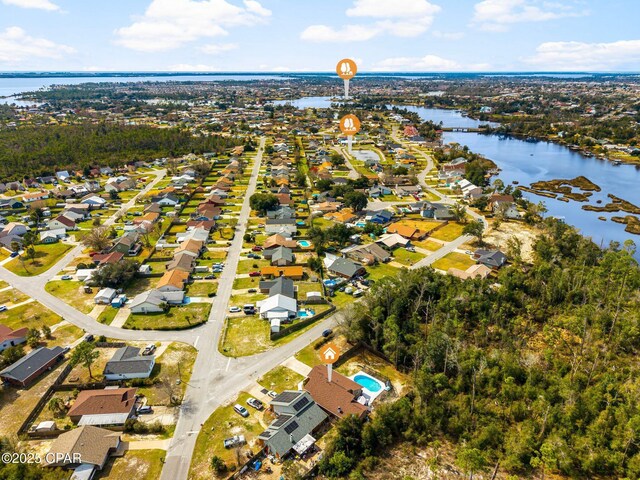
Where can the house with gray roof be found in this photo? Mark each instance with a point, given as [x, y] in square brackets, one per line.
[298, 417]
[279, 286]
[280, 256]
[127, 363]
[343, 267]
[28, 368]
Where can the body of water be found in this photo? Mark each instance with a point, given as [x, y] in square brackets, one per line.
[527, 162]
[11, 86]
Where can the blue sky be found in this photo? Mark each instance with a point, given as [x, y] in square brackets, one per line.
[311, 35]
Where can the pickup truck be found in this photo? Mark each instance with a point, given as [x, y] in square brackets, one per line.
[234, 441]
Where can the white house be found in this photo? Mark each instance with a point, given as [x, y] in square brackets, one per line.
[105, 296]
[52, 236]
[127, 363]
[278, 306]
[151, 301]
[95, 201]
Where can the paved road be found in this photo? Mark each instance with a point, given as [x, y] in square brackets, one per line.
[353, 173]
[217, 379]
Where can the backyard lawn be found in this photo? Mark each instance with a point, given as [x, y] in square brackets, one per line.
[281, 378]
[223, 423]
[246, 266]
[453, 260]
[138, 464]
[428, 244]
[179, 317]
[242, 283]
[381, 270]
[448, 232]
[71, 292]
[46, 256]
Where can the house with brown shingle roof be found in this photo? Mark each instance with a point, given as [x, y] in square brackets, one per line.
[109, 406]
[406, 231]
[172, 280]
[86, 448]
[338, 397]
[182, 261]
[10, 337]
[190, 247]
[278, 241]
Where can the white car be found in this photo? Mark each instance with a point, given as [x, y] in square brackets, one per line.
[235, 310]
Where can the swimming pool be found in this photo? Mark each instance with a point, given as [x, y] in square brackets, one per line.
[306, 313]
[304, 243]
[368, 382]
[371, 387]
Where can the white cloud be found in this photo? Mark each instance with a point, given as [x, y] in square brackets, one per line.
[567, 56]
[37, 4]
[348, 33]
[430, 63]
[218, 48]
[186, 67]
[392, 8]
[448, 35]
[169, 24]
[498, 15]
[16, 45]
[398, 18]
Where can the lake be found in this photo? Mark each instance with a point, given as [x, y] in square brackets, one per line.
[10, 86]
[527, 162]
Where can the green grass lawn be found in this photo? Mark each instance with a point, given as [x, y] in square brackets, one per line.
[245, 335]
[63, 336]
[223, 423]
[202, 289]
[449, 232]
[12, 296]
[281, 378]
[72, 292]
[138, 464]
[429, 245]
[108, 315]
[382, 270]
[246, 266]
[453, 260]
[46, 256]
[31, 315]
[251, 282]
[177, 318]
[405, 257]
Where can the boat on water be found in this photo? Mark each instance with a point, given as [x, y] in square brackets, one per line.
[617, 163]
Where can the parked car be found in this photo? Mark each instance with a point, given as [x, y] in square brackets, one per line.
[209, 277]
[88, 338]
[272, 394]
[212, 294]
[66, 277]
[145, 410]
[254, 256]
[14, 254]
[327, 333]
[235, 309]
[257, 248]
[254, 274]
[149, 349]
[234, 441]
[255, 403]
[240, 410]
[252, 290]
[3, 308]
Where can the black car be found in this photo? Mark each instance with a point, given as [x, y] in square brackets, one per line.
[88, 338]
[327, 333]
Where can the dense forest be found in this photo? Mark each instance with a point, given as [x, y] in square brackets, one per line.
[533, 372]
[35, 151]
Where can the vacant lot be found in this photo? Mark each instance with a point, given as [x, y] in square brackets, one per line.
[280, 379]
[448, 232]
[202, 289]
[311, 356]
[245, 335]
[453, 260]
[135, 464]
[407, 258]
[224, 423]
[175, 363]
[31, 315]
[46, 256]
[180, 317]
[12, 297]
[71, 292]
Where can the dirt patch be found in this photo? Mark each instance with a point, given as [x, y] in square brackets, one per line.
[527, 236]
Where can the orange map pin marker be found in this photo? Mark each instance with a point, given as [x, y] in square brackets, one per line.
[350, 124]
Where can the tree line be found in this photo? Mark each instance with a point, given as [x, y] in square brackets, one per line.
[534, 371]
